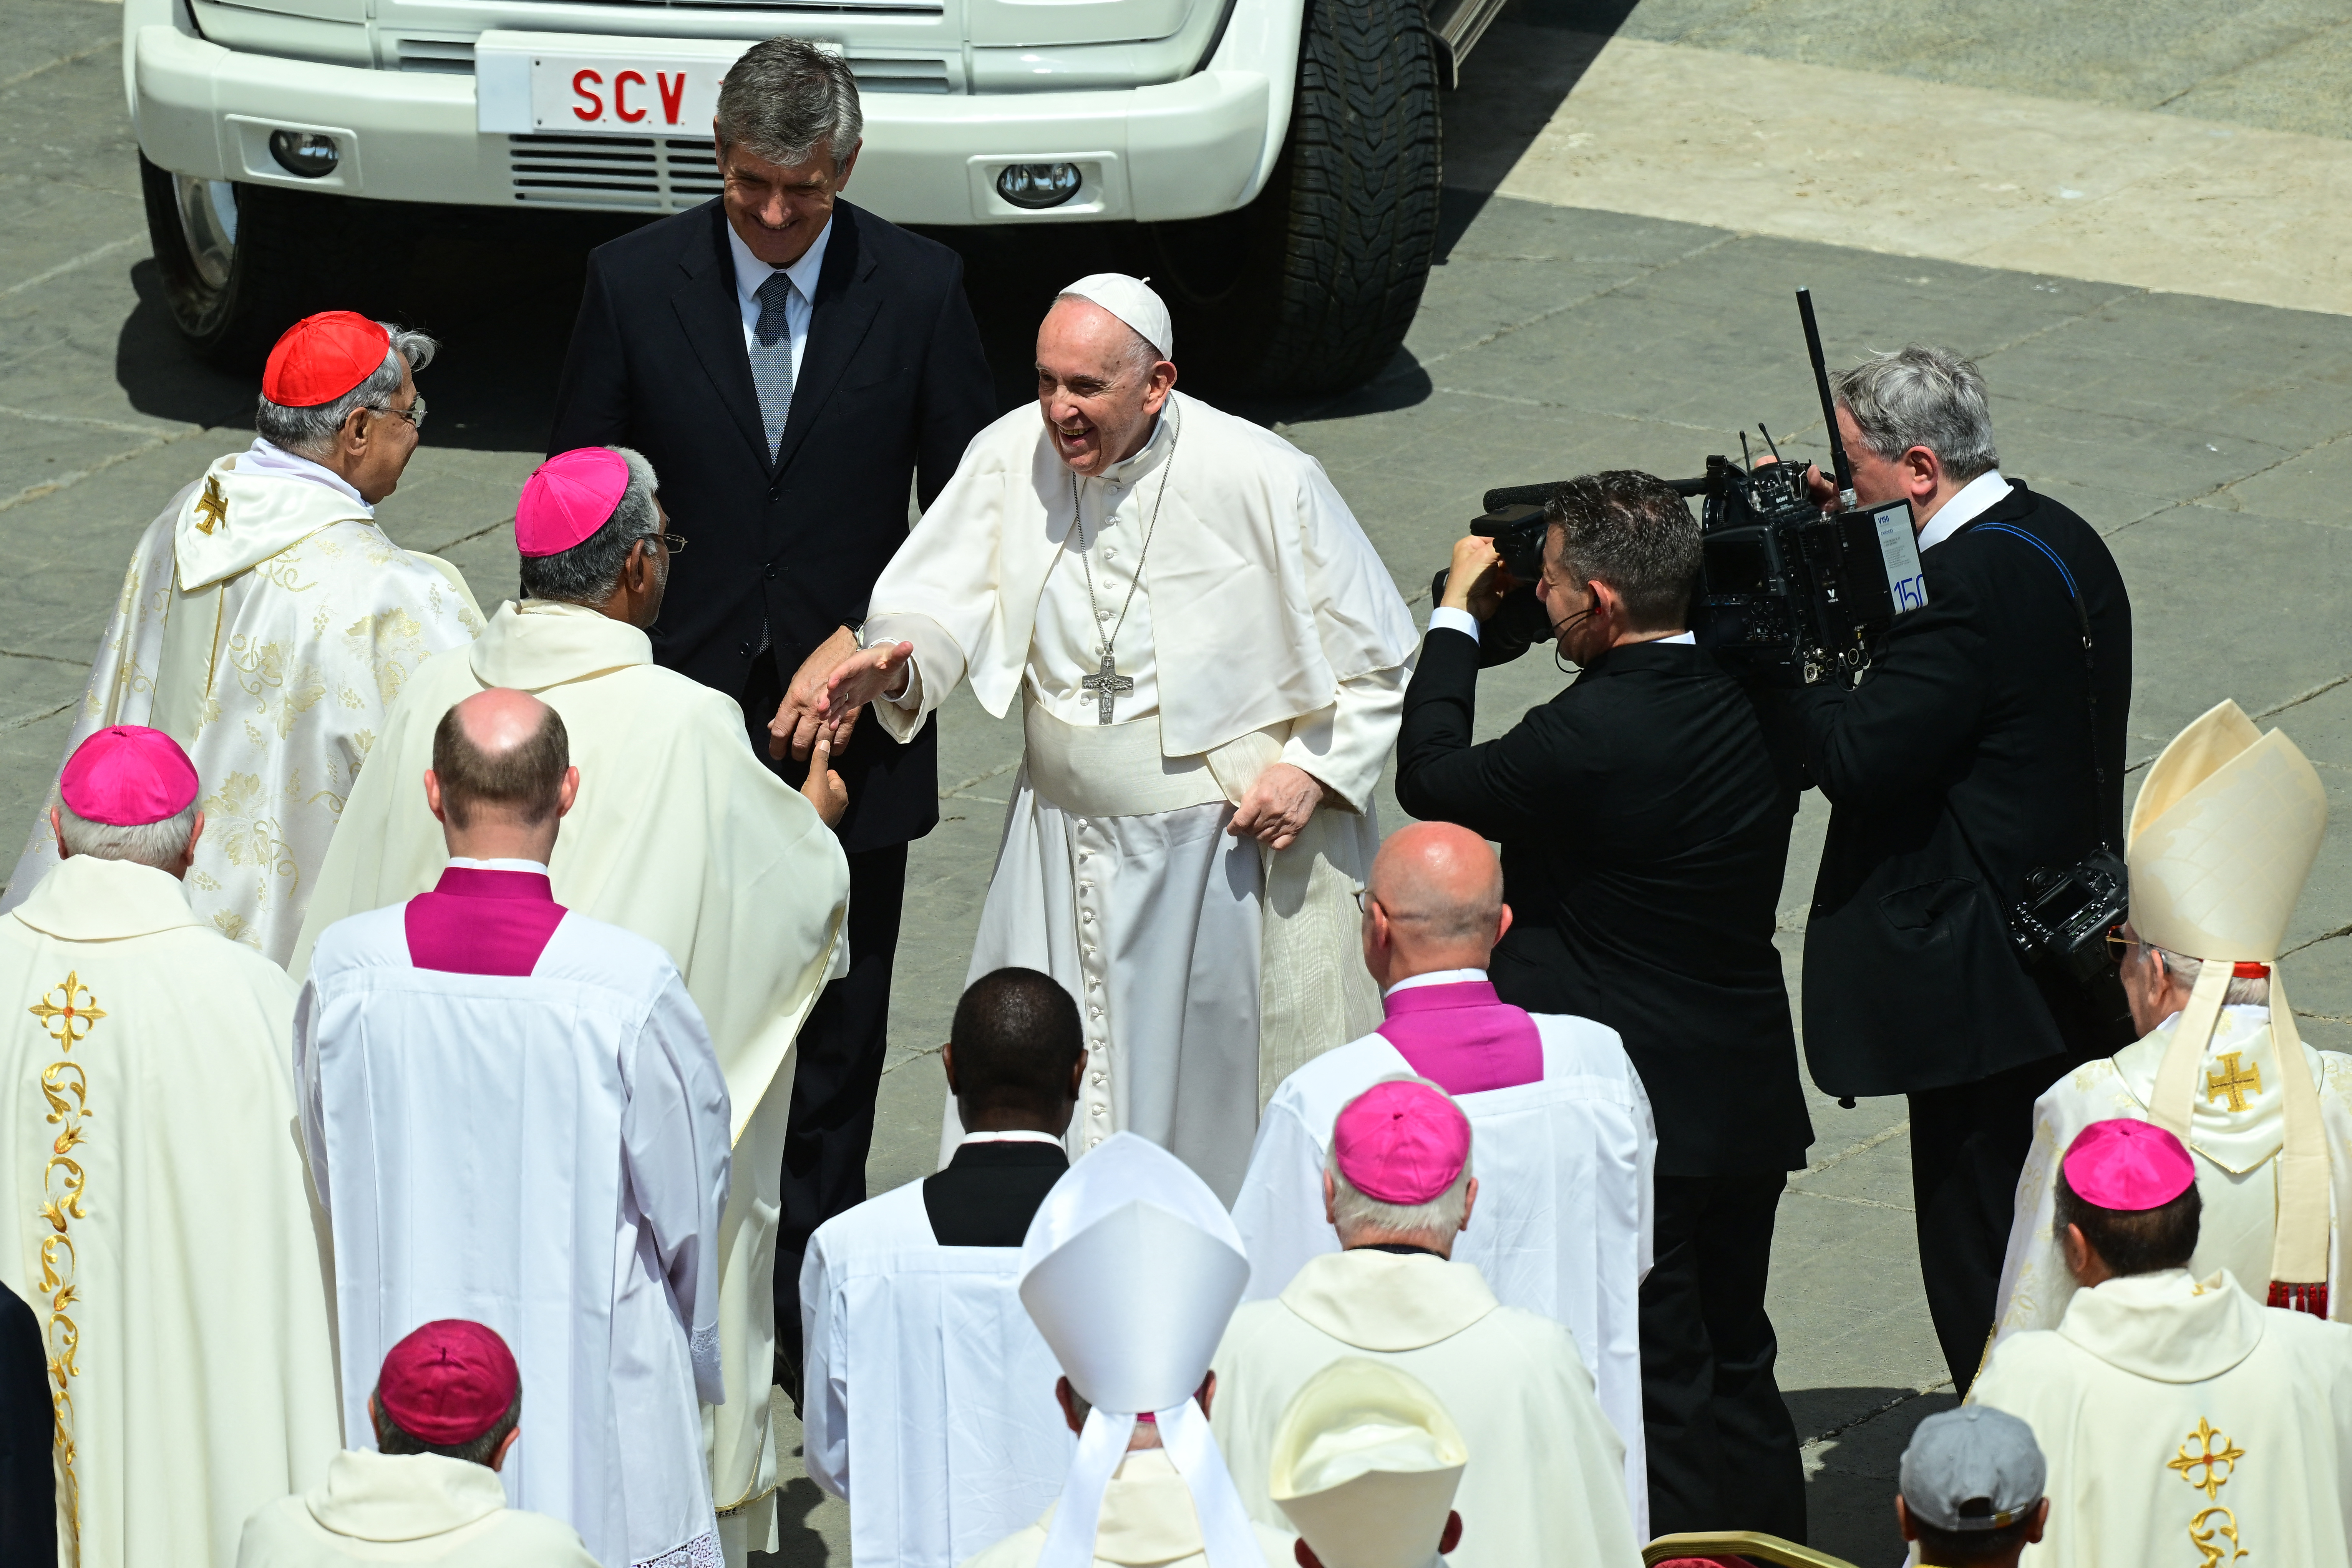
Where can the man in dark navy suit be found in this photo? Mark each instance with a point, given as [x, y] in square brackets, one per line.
[792, 367]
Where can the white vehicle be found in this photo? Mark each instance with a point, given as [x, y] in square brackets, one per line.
[1276, 159]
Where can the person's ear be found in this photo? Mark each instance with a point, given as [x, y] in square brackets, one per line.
[1452, 1536]
[353, 435]
[1921, 472]
[506, 1447]
[2038, 1520]
[433, 797]
[1503, 926]
[569, 793]
[849, 167]
[57, 832]
[1206, 1394]
[188, 851]
[1910, 1530]
[1469, 1201]
[1078, 1079]
[1067, 1398]
[947, 1066]
[1330, 1202]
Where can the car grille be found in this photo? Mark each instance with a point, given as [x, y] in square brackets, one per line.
[451, 57]
[644, 173]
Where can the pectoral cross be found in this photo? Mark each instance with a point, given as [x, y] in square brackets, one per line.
[1106, 684]
[2234, 1080]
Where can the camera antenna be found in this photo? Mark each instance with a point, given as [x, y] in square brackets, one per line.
[1839, 462]
[1746, 461]
[1768, 440]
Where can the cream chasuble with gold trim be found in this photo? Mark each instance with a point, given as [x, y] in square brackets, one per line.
[158, 1217]
[265, 624]
[2183, 1423]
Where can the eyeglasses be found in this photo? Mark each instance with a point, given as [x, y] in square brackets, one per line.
[414, 414]
[1364, 900]
[673, 542]
[2119, 946]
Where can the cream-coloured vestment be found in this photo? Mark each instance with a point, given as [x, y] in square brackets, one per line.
[159, 1222]
[2237, 1127]
[1147, 1523]
[266, 624]
[1254, 624]
[1545, 1478]
[2184, 1424]
[416, 1508]
[682, 836]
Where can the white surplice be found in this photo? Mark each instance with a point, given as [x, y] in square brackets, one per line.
[1255, 624]
[266, 624]
[1565, 1214]
[925, 1387]
[2182, 1423]
[162, 1227]
[547, 1155]
[1545, 1478]
[1148, 1522]
[680, 834]
[2235, 1132]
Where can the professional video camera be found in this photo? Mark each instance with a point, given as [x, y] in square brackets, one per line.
[1788, 595]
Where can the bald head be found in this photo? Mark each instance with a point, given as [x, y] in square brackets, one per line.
[500, 753]
[1437, 903]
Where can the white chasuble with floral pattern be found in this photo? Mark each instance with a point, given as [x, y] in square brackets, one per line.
[265, 624]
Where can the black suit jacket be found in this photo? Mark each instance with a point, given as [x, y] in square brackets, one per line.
[28, 1509]
[1643, 814]
[1971, 714]
[892, 387]
[990, 1192]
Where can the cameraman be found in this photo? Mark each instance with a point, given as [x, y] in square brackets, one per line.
[1644, 817]
[1964, 759]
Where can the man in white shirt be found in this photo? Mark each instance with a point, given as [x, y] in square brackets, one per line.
[514, 1111]
[1565, 1138]
[927, 1389]
[447, 1410]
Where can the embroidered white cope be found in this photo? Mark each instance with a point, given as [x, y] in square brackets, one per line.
[2237, 1127]
[547, 1155]
[680, 834]
[159, 1222]
[415, 1508]
[928, 1394]
[1264, 629]
[2184, 1424]
[1565, 1216]
[265, 624]
[1545, 1478]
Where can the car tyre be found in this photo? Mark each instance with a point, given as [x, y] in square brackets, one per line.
[239, 263]
[1311, 287]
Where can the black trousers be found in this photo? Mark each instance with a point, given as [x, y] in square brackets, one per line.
[1722, 1450]
[1967, 1144]
[843, 1045]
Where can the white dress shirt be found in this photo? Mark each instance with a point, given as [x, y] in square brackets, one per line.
[1969, 502]
[468, 863]
[751, 272]
[1466, 622]
[1437, 977]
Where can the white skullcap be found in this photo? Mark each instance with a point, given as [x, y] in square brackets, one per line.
[1132, 301]
[1130, 1269]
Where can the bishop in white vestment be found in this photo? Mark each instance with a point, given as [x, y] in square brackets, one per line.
[2222, 839]
[514, 1116]
[679, 835]
[162, 1226]
[1210, 660]
[1566, 1141]
[265, 624]
[2182, 1421]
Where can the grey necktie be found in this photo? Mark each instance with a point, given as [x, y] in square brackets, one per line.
[771, 358]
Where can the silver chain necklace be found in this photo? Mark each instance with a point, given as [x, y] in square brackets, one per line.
[1105, 682]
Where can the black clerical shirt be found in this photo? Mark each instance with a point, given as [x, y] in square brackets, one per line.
[989, 1192]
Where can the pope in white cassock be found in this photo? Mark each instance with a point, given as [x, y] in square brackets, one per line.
[162, 1229]
[2182, 1421]
[266, 623]
[514, 1116]
[2222, 838]
[1211, 663]
[1130, 1270]
[1566, 1143]
[679, 834]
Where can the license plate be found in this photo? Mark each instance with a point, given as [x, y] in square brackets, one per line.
[600, 86]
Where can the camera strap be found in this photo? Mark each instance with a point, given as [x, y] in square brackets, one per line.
[2090, 669]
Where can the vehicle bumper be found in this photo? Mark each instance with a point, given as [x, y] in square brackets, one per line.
[1185, 149]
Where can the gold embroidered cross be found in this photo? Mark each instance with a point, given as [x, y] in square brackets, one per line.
[69, 1017]
[2217, 1463]
[212, 507]
[2234, 1080]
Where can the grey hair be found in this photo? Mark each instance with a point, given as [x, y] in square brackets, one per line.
[1435, 1222]
[1140, 355]
[2243, 993]
[1922, 395]
[156, 844]
[589, 572]
[786, 96]
[310, 432]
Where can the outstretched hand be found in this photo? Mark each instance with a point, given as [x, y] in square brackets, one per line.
[865, 675]
[1276, 809]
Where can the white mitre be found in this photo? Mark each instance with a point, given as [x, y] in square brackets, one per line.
[2222, 838]
[1130, 1269]
[1132, 300]
[1365, 1465]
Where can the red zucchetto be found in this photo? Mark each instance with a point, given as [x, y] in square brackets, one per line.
[449, 1383]
[321, 357]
